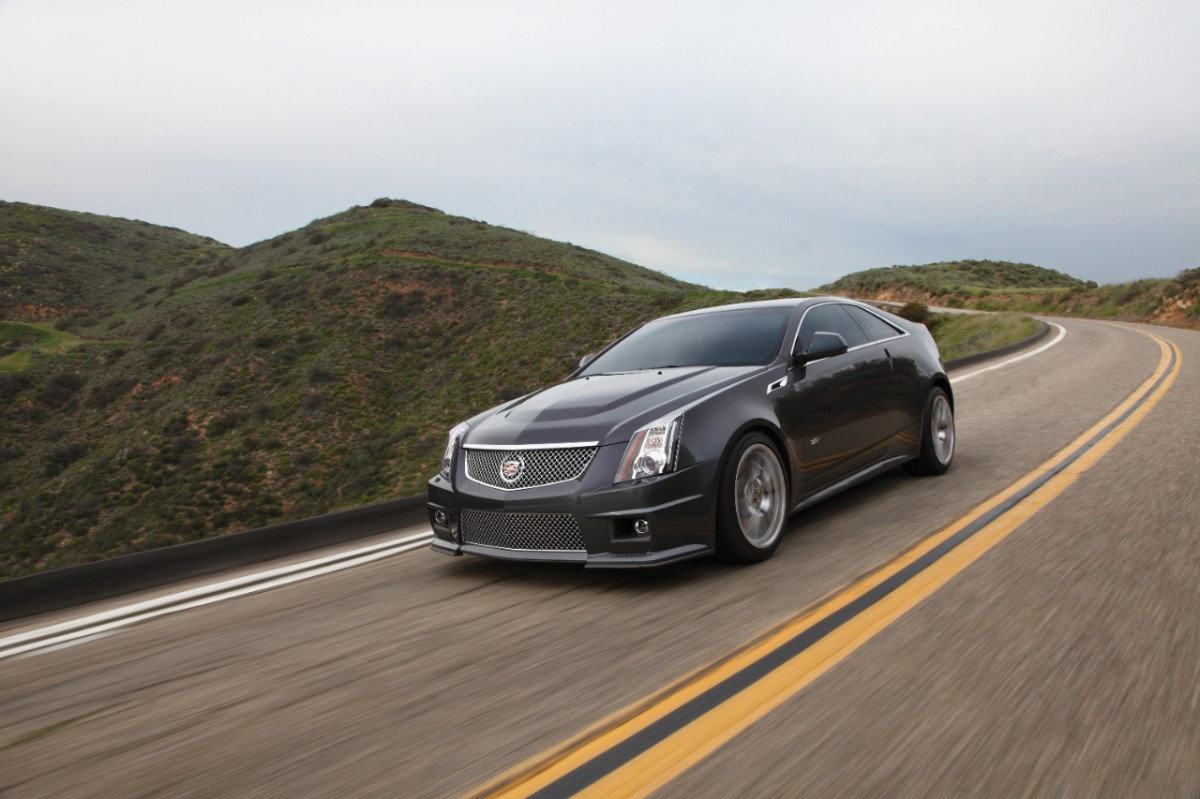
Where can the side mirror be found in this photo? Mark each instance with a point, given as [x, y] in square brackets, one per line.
[585, 360]
[823, 345]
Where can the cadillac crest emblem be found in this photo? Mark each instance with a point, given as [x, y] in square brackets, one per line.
[511, 469]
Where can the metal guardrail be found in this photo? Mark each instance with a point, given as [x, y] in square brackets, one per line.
[31, 595]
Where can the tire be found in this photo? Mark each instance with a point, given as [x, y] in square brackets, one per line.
[752, 506]
[937, 436]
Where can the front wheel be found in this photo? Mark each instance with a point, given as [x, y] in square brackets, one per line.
[937, 436]
[752, 504]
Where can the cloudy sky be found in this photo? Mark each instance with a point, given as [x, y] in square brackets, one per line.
[737, 145]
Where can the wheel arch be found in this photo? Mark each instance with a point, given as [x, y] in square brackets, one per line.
[776, 437]
[943, 382]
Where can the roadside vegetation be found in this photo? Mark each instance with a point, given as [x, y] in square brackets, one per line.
[959, 335]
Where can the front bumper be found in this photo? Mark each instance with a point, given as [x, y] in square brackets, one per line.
[679, 509]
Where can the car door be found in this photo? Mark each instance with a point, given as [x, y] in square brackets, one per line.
[834, 410]
[906, 391]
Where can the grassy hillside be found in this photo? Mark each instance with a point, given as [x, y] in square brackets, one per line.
[58, 264]
[1023, 288]
[20, 342]
[959, 279]
[227, 389]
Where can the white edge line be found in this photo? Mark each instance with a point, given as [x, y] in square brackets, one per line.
[1062, 332]
[206, 594]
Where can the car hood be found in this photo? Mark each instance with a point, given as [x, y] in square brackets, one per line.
[605, 408]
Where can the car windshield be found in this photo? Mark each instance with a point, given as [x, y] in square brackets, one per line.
[742, 337]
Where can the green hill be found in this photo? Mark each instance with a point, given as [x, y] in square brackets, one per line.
[961, 279]
[56, 264]
[214, 389]
[1024, 288]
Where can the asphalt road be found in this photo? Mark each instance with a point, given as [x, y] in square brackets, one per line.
[1065, 661]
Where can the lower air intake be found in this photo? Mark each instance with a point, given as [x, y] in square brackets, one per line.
[543, 532]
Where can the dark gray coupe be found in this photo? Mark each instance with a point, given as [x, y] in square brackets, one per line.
[696, 433]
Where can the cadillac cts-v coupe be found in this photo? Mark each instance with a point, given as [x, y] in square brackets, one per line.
[694, 434]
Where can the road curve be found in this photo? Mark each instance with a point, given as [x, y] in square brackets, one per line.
[1064, 661]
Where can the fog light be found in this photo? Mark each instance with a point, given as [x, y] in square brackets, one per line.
[641, 527]
[439, 516]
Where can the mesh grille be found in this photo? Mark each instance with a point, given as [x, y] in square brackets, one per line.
[537, 531]
[527, 468]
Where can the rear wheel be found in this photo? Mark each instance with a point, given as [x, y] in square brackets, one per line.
[752, 505]
[937, 436]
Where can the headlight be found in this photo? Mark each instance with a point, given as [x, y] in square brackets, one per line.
[451, 448]
[652, 450]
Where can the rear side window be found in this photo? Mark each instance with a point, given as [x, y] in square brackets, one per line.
[829, 319]
[877, 329]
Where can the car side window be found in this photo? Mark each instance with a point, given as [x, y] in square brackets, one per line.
[829, 318]
[876, 328]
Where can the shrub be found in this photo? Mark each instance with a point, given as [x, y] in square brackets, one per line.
[107, 392]
[320, 374]
[190, 274]
[222, 424]
[397, 305]
[60, 458]
[914, 312]
[177, 425]
[13, 383]
[59, 389]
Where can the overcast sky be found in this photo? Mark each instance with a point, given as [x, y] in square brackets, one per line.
[738, 145]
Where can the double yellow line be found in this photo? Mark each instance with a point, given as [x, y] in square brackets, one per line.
[643, 747]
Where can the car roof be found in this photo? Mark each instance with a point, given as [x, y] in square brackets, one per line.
[787, 302]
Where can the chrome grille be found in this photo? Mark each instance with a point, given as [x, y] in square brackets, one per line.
[534, 467]
[557, 532]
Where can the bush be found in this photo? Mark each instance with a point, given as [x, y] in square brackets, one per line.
[915, 312]
[222, 424]
[397, 305]
[12, 384]
[59, 389]
[320, 374]
[60, 458]
[107, 392]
